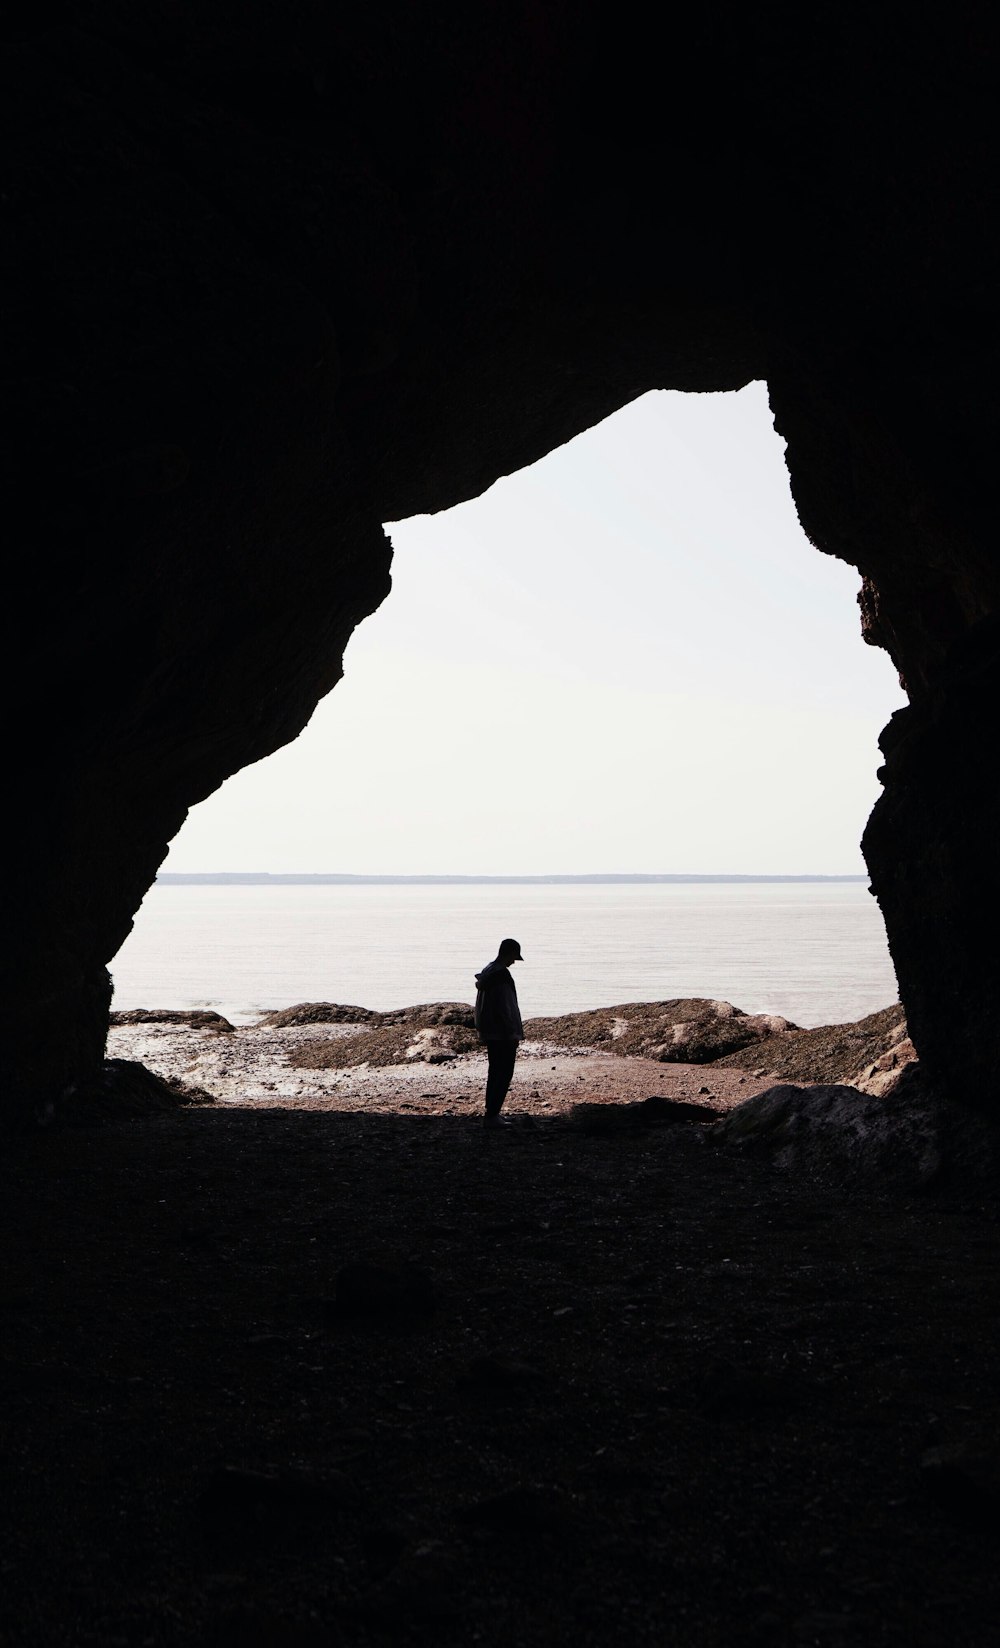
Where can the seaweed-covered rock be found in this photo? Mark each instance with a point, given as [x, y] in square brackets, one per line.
[382, 1045]
[194, 1019]
[708, 1036]
[433, 1045]
[832, 1053]
[689, 1030]
[431, 1013]
[315, 1012]
[331, 1012]
[124, 1087]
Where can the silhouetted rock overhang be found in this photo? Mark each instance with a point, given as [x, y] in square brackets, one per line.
[279, 273]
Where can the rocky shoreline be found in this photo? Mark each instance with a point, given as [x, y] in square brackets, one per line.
[325, 1054]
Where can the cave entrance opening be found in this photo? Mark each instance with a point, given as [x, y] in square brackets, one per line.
[626, 658]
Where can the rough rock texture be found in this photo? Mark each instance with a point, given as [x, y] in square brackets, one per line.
[840, 1130]
[914, 1134]
[833, 1052]
[691, 1030]
[260, 1066]
[931, 847]
[278, 273]
[388, 1044]
[123, 1087]
[329, 1012]
[884, 1075]
[195, 1019]
[315, 1012]
[431, 1013]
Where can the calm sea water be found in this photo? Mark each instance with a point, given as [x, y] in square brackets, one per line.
[815, 952]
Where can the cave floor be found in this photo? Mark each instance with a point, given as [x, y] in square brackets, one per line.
[666, 1394]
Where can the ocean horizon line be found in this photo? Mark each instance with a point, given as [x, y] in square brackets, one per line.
[265, 878]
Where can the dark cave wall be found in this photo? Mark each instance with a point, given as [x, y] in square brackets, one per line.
[278, 274]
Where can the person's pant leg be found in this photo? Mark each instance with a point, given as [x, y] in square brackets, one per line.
[501, 1055]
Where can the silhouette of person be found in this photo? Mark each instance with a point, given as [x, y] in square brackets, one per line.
[498, 1020]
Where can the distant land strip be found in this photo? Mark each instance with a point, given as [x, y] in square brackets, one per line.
[261, 878]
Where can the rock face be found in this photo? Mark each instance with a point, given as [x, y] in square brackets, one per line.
[274, 276]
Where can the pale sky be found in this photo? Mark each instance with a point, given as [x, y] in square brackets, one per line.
[627, 658]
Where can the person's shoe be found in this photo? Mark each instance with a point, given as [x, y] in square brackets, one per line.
[493, 1122]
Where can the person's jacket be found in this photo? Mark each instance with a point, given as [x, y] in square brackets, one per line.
[498, 1017]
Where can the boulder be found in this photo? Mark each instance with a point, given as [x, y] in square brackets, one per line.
[830, 1053]
[432, 1046]
[839, 1130]
[919, 1135]
[315, 1012]
[431, 1013]
[690, 1030]
[330, 1012]
[195, 1019]
[883, 1075]
[380, 1045]
[710, 1035]
[123, 1087]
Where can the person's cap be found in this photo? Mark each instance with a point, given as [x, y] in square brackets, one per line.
[510, 947]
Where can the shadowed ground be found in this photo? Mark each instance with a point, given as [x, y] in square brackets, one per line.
[629, 1388]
